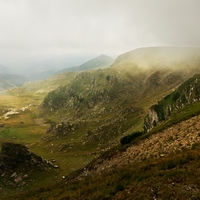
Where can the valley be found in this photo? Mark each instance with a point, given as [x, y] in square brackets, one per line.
[78, 118]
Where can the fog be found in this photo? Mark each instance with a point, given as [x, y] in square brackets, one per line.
[44, 34]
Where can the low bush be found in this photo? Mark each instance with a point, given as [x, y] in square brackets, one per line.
[128, 138]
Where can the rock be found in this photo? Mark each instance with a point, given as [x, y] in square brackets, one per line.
[25, 176]
[13, 175]
[18, 179]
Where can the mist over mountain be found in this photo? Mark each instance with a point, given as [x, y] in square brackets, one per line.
[158, 57]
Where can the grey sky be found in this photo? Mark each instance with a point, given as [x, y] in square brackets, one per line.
[31, 28]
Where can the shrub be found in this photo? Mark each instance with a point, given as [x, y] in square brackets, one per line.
[128, 138]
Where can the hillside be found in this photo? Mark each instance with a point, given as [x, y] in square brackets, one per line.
[99, 62]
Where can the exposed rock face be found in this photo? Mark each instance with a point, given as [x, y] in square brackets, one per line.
[17, 155]
[187, 93]
[152, 118]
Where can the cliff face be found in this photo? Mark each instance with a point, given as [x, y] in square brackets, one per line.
[187, 93]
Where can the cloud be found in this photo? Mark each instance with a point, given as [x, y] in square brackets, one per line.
[36, 27]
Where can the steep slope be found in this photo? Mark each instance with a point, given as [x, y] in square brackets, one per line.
[99, 62]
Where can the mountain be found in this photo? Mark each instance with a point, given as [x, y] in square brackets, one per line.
[113, 101]
[8, 81]
[99, 62]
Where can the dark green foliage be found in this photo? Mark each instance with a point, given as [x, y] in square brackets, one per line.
[176, 96]
[56, 98]
[159, 109]
[108, 77]
[127, 139]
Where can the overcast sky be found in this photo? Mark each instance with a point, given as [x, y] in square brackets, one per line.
[31, 28]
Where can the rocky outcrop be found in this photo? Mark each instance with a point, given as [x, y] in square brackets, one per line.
[61, 128]
[14, 156]
[18, 164]
[187, 93]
